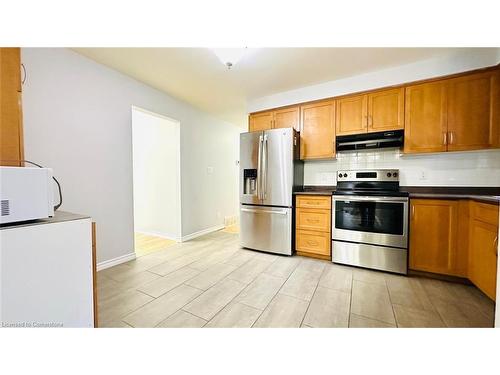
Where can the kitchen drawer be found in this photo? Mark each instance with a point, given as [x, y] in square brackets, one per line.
[314, 201]
[485, 212]
[313, 242]
[313, 219]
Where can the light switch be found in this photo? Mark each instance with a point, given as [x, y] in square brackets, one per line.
[210, 170]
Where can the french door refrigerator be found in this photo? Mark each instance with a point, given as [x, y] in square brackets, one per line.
[270, 171]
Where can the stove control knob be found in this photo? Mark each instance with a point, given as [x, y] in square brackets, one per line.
[340, 175]
[389, 174]
[395, 174]
[345, 174]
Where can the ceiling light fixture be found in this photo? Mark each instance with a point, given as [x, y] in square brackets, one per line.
[229, 56]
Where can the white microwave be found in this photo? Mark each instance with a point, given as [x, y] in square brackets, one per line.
[26, 194]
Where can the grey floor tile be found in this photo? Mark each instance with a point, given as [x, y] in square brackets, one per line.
[210, 277]
[261, 291]
[241, 257]
[115, 308]
[235, 315]
[283, 266]
[301, 283]
[357, 321]
[283, 312]
[250, 270]
[169, 266]
[461, 314]
[182, 319]
[315, 266]
[406, 291]
[114, 324]
[337, 277]
[369, 276]
[137, 279]
[372, 301]
[409, 317]
[214, 299]
[107, 288]
[328, 308]
[166, 283]
[161, 308]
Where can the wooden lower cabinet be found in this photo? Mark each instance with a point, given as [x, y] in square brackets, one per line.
[483, 247]
[312, 242]
[313, 226]
[433, 235]
[456, 238]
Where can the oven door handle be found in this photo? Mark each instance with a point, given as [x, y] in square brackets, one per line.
[355, 198]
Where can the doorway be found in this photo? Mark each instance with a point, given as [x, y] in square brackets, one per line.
[156, 181]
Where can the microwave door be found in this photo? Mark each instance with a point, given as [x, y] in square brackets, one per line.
[250, 167]
[277, 167]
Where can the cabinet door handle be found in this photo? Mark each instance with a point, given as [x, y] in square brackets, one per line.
[451, 138]
[312, 243]
[313, 220]
[413, 212]
[495, 245]
[445, 138]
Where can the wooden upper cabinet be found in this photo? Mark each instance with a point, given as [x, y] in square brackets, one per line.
[374, 112]
[433, 235]
[352, 115]
[11, 135]
[279, 118]
[260, 121]
[386, 110]
[317, 135]
[473, 111]
[287, 118]
[425, 118]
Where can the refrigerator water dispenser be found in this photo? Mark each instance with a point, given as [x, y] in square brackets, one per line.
[250, 181]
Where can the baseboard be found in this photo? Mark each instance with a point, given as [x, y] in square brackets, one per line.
[114, 262]
[202, 232]
[159, 234]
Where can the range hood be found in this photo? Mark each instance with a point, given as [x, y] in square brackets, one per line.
[393, 138]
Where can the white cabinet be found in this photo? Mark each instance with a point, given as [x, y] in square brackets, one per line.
[46, 273]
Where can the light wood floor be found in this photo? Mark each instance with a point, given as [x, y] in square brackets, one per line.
[212, 282]
[146, 244]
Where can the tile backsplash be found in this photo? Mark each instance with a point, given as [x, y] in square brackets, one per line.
[474, 168]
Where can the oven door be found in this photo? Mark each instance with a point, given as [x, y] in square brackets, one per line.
[371, 220]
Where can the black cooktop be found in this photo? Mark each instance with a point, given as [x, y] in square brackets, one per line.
[375, 193]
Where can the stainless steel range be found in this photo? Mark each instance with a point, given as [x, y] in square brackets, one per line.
[370, 220]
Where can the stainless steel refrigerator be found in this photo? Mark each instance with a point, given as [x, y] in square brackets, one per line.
[270, 171]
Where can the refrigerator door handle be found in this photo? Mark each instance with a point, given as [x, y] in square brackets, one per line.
[264, 168]
[259, 170]
[264, 211]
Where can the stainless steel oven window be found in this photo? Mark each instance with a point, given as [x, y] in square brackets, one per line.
[363, 224]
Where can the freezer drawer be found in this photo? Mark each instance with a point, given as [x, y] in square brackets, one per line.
[266, 229]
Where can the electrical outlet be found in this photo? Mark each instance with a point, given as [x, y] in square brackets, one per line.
[423, 175]
[210, 170]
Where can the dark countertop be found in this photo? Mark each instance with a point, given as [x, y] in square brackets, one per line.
[487, 194]
[59, 217]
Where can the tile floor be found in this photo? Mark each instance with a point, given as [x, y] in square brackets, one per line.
[146, 244]
[211, 282]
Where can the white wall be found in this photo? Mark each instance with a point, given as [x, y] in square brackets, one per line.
[478, 168]
[444, 65]
[156, 171]
[77, 120]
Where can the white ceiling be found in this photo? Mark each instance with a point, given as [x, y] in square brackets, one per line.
[196, 76]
